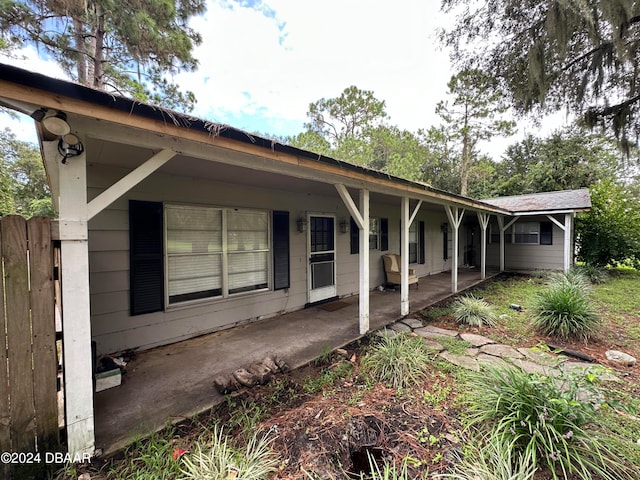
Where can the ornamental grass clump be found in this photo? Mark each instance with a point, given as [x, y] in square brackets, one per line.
[399, 360]
[545, 419]
[218, 459]
[563, 309]
[474, 311]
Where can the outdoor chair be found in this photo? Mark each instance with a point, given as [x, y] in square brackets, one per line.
[392, 263]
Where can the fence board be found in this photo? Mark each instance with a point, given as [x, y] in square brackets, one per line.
[44, 334]
[5, 439]
[14, 251]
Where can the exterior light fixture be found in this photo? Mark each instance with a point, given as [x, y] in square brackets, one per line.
[302, 225]
[56, 124]
[344, 226]
[69, 146]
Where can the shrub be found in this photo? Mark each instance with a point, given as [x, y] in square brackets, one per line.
[220, 460]
[399, 360]
[473, 311]
[544, 419]
[593, 273]
[492, 462]
[563, 309]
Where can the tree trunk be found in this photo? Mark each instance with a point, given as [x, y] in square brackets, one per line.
[98, 72]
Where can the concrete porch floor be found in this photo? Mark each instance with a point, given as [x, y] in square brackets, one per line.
[174, 382]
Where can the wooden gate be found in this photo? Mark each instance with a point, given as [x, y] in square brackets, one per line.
[28, 367]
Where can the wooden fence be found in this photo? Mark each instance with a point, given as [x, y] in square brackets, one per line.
[28, 366]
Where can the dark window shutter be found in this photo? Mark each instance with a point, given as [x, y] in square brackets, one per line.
[445, 242]
[546, 233]
[421, 243]
[354, 236]
[281, 275]
[146, 257]
[384, 234]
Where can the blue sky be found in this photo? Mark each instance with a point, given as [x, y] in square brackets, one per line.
[262, 62]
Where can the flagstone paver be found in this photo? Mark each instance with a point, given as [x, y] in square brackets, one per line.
[484, 351]
[502, 351]
[476, 340]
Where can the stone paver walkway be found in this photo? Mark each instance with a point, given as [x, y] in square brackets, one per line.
[484, 351]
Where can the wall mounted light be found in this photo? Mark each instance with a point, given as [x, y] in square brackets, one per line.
[69, 146]
[302, 225]
[344, 226]
[56, 124]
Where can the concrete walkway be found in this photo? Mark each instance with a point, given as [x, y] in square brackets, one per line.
[483, 351]
[174, 382]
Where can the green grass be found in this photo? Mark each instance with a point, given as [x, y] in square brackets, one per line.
[327, 377]
[617, 299]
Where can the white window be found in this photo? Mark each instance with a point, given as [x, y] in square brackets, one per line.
[413, 242]
[215, 252]
[374, 233]
[526, 232]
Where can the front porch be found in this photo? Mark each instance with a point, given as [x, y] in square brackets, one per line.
[170, 383]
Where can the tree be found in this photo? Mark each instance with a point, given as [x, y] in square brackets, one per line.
[473, 114]
[610, 231]
[576, 54]
[351, 115]
[568, 159]
[123, 47]
[23, 179]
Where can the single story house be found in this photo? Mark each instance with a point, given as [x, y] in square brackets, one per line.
[172, 226]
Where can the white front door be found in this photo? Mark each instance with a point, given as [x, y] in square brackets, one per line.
[322, 257]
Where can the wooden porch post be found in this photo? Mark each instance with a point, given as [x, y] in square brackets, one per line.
[404, 256]
[501, 227]
[455, 218]
[76, 330]
[364, 262]
[567, 228]
[483, 219]
[361, 217]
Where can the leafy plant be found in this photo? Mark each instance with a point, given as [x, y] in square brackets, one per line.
[492, 461]
[327, 377]
[593, 273]
[220, 460]
[149, 459]
[473, 311]
[545, 419]
[563, 309]
[400, 360]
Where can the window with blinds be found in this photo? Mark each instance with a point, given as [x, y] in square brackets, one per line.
[213, 252]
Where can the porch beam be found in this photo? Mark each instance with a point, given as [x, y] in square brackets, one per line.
[415, 212]
[350, 204]
[455, 216]
[483, 219]
[50, 158]
[76, 323]
[560, 225]
[122, 186]
[364, 262]
[405, 221]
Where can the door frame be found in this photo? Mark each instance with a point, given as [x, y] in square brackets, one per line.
[328, 292]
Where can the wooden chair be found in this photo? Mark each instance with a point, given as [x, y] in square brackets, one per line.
[392, 263]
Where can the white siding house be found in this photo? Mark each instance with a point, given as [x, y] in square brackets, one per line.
[172, 227]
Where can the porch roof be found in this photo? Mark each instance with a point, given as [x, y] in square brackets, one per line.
[27, 92]
[545, 202]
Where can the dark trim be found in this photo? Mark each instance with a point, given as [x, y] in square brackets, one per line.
[354, 237]
[421, 243]
[384, 234]
[146, 257]
[281, 252]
